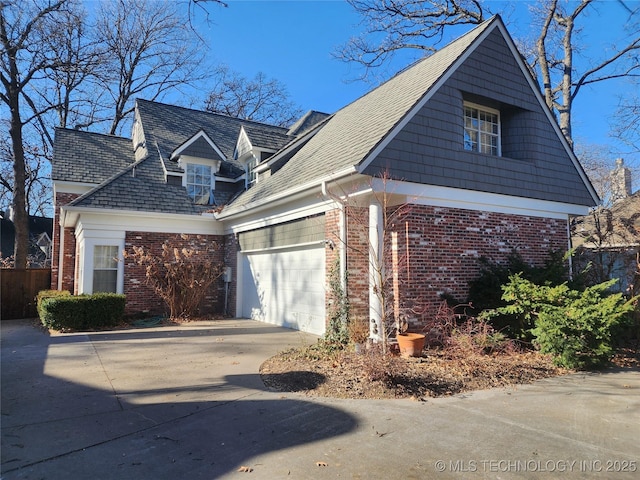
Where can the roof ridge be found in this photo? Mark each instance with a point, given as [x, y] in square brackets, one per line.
[88, 132]
[205, 112]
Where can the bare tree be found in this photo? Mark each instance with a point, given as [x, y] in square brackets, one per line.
[260, 99]
[396, 25]
[627, 124]
[150, 49]
[24, 35]
[597, 163]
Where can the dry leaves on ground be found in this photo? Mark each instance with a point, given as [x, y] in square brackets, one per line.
[345, 374]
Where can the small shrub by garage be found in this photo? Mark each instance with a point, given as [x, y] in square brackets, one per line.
[82, 312]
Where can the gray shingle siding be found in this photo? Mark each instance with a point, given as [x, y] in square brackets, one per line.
[534, 162]
[304, 231]
[201, 149]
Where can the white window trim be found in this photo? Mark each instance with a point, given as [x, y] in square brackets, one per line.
[483, 108]
[186, 160]
[251, 161]
[87, 241]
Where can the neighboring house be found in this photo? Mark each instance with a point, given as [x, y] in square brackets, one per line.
[40, 239]
[464, 136]
[607, 240]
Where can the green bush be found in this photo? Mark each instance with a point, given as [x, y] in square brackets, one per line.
[42, 294]
[576, 327]
[83, 312]
[485, 292]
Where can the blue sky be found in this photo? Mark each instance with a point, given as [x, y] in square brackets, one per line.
[292, 42]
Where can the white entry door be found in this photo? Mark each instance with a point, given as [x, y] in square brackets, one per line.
[285, 287]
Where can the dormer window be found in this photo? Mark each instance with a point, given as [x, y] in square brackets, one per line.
[481, 129]
[199, 183]
[252, 176]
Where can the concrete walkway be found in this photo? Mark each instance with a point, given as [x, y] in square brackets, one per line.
[187, 402]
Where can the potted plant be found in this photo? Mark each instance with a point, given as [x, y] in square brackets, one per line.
[410, 344]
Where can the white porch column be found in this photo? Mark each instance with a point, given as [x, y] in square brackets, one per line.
[375, 270]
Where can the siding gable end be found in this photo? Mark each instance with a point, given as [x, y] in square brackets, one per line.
[536, 162]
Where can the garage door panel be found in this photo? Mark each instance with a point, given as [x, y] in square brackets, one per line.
[286, 287]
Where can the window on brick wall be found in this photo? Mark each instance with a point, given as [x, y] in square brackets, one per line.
[105, 268]
[481, 129]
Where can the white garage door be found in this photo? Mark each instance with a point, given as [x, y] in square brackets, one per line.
[286, 287]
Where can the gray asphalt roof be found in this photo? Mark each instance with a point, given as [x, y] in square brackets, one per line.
[169, 126]
[139, 187]
[307, 122]
[88, 157]
[354, 131]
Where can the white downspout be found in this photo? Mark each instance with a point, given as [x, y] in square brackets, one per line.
[343, 248]
[342, 229]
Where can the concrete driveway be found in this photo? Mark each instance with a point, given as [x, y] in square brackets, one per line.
[187, 402]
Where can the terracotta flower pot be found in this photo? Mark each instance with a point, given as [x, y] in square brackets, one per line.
[410, 344]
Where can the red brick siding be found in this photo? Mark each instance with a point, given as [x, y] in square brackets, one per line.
[444, 247]
[141, 298]
[68, 261]
[358, 261]
[332, 253]
[231, 260]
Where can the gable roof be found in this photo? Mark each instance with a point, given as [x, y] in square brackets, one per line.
[166, 127]
[354, 135]
[87, 157]
[308, 121]
[200, 142]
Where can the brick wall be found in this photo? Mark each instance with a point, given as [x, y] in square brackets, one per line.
[231, 260]
[142, 298]
[332, 254]
[445, 245]
[68, 266]
[358, 260]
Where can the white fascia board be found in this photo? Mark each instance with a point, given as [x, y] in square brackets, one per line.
[126, 220]
[298, 208]
[227, 179]
[242, 135]
[479, 201]
[282, 197]
[72, 187]
[312, 202]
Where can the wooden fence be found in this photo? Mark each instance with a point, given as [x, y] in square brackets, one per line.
[18, 290]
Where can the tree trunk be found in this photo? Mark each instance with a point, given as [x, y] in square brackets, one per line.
[20, 216]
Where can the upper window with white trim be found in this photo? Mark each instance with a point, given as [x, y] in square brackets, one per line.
[252, 176]
[481, 129]
[199, 183]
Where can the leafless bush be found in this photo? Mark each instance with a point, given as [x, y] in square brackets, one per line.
[181, 275]
[459, 333]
